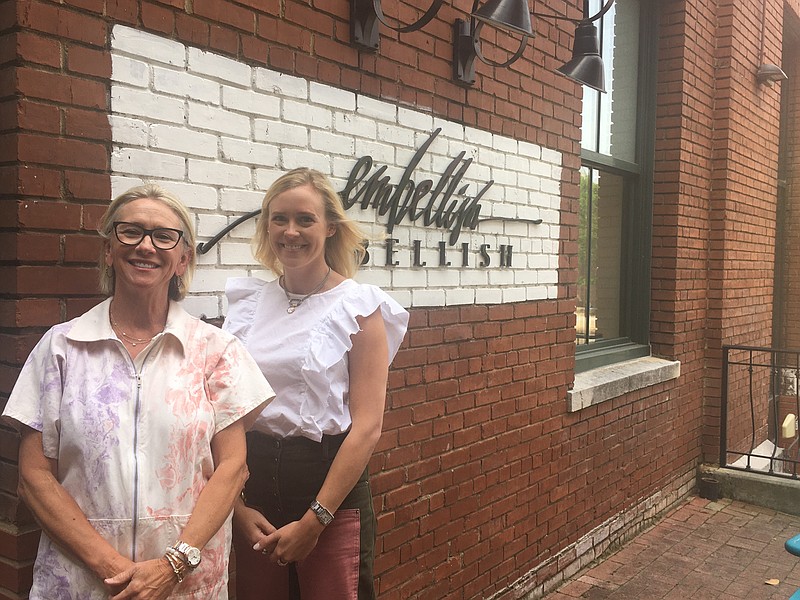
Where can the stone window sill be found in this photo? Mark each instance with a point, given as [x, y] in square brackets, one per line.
[605, 383]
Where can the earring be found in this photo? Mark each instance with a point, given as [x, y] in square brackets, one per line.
[109, 271]
[179, 282]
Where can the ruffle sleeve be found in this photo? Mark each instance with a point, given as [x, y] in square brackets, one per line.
[243, 294]
[332, 338]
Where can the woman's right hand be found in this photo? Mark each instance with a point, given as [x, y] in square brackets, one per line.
[149, 580]
[251, 525]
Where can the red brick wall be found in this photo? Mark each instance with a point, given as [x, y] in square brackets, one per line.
[481, 474]
[790, 325]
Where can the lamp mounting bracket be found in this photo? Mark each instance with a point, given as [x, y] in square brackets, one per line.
[367, 15]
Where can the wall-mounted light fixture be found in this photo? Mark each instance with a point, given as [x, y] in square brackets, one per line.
[586, 66]
[770, 74]
[767, 74]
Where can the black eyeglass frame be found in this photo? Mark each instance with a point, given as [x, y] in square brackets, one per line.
[147, 232]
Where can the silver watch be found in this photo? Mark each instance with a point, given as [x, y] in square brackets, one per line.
[324, 516]
[191, 553]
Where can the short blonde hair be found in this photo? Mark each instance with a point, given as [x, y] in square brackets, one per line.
[344, 250]
[178, 286]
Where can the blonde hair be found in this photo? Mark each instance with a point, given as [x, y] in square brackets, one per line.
[178, 286]
[344, 250]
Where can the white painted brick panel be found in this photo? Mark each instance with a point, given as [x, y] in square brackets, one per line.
[180, 83]
[196, 197]
[180, 139]
[477, 137]
[293, 159]
[381, 153]
[280, 134]
[382, 278]
[222, 174]
[246, 126]
[281, 84]
[331, 96]
[428, 298]
[219, 67]
[209, 224]
[212, 279]
[313, 116]
[532, 151]
[459, 297]
[249, 152]
[147, 163]
[376, 109]
[130, 71]
[154, 48]
[127, 131]
[232, 253]
[488, 296]
[324, 141]
[205, 306]
[242, 201]
[251, 102]
[212, 118]
[450, 129]
[266, 177]
[514, 295]
[396, 135]
[355, 125]
[414, 119]
[147, 105]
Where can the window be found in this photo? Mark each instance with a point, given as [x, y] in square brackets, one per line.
[612, 314]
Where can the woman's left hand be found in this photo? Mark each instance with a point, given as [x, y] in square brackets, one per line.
[294, 541]
[148, 580]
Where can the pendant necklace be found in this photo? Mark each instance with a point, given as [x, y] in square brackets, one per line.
[133, 341]
[295, 302]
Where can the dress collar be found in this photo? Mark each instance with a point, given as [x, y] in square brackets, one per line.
[94, 325]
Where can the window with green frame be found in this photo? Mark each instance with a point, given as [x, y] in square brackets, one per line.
[614, 231]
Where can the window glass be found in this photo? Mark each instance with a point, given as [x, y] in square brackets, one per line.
[600, 237]
[613, 291]
[609, 119]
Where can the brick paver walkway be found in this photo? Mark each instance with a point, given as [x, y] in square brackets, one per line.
[701, 551]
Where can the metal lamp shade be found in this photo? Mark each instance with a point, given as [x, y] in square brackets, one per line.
[586, 66]
[511, 15]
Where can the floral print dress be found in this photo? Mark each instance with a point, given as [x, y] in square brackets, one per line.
[132, 438]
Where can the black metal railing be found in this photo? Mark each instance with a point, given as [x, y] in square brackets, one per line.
[760, 403]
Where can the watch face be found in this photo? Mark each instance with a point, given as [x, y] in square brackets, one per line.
[323, 515]
[193, 556]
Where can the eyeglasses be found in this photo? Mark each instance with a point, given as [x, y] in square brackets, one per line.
[131, 234]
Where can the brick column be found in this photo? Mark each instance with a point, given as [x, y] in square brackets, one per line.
[54, 184]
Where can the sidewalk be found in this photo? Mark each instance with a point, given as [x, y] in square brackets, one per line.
[701, 551]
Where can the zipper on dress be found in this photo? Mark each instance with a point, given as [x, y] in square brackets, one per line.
[136, 462]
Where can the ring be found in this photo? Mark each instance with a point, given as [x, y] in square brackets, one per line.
[282, 563]
[264, 551]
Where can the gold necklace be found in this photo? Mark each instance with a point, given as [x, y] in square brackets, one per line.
[295, 302]
[133, 341]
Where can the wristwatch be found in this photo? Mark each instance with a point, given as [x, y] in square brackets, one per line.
[324, 516]
[191, 553]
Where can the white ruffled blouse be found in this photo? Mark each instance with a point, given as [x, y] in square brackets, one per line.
[304, 355]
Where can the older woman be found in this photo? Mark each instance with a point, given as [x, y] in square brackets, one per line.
[132, 420]
[324, 343]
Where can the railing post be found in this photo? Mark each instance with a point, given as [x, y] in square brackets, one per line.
[723, 409]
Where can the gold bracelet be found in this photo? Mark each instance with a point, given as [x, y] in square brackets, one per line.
[176, 562]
